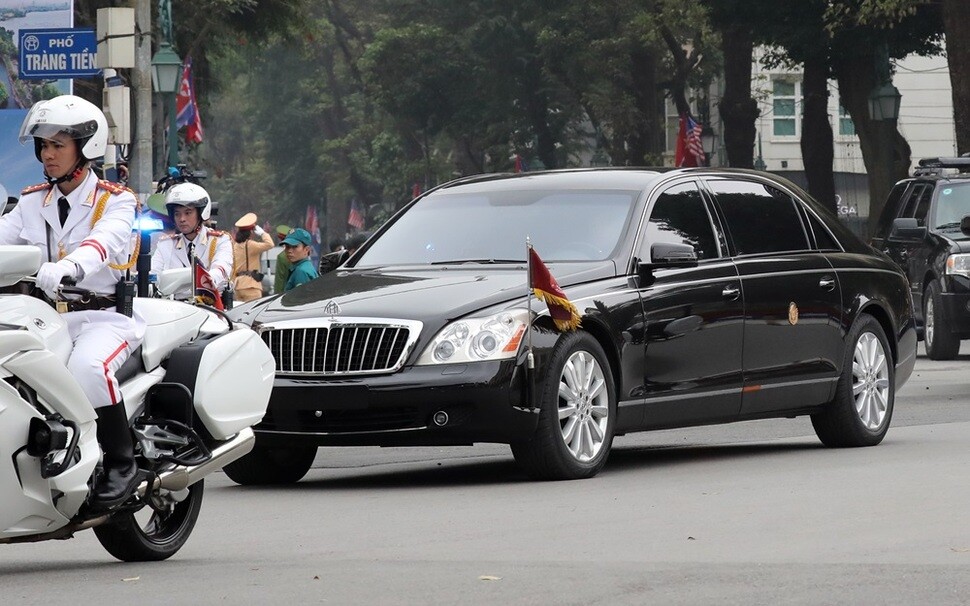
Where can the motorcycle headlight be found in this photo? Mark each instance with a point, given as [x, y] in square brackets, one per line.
[493, 337]
[958, 265]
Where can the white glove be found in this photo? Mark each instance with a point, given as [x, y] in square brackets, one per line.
[258, 231]
[50, 274]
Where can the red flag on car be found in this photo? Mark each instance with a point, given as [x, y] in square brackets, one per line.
[564, 314]
[205, 289]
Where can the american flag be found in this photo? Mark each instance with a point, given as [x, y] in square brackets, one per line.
[186, 109]
[355, 218]
[690, 151]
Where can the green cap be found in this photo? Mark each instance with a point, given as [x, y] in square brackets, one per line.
[156, 204]
[283, 229]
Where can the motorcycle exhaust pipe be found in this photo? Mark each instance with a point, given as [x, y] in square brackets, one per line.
[183, 476]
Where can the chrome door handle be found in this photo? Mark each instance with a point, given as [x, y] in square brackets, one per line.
[827, 283]
[731, 293]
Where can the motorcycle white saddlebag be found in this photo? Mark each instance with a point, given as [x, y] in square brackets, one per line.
[230, 377]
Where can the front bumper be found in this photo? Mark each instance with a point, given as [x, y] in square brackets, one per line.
[956, 310]
[484, 402]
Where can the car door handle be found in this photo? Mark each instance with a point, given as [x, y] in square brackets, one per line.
[827, 283]
[731, 292]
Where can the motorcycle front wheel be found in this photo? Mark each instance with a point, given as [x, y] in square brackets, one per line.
[154, 533]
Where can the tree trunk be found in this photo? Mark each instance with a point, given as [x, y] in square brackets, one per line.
[956, 23]
[648, 145]
[817, 146]
[885, 152]
[738, 110]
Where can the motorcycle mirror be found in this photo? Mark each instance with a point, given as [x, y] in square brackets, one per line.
[171, 280]
[17, 261]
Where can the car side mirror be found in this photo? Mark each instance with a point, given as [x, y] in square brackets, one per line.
[905, 229]
[965, 225]
[332, 261]
[666, 254]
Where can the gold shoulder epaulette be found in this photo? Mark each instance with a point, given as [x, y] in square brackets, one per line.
[115, 188]
[32, 188]
[215, 233]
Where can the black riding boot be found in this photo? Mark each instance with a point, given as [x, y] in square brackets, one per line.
[119, 478]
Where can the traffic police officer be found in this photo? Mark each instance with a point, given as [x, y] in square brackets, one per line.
[189, 206]
[83, 228]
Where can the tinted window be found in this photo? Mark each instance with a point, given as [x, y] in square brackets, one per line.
[823, 239]
[569, 225]
[760, 218]
[679, 216]
[952, 205]
[922, 206]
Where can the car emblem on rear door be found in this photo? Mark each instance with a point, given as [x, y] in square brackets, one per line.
[792, 313]
[331, 308]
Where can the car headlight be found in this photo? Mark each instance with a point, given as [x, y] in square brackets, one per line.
[958, 265]
[493, 337]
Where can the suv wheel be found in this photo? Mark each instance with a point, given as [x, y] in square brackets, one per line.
[862, 409]
[941, 344]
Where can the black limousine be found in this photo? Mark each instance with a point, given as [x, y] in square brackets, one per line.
[705, 295]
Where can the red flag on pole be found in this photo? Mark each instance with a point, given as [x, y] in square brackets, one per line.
[186, 109]
[205, 289]
[415, 190]
[518, 166]
[564, 314]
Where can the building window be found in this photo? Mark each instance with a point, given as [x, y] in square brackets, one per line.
[846, 125]
[784, 97]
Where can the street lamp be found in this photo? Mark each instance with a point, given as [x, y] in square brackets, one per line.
[884, 102]
[166, 73]
[708, 136]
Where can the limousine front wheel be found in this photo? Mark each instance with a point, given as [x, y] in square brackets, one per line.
[860, 413]
[577, 413]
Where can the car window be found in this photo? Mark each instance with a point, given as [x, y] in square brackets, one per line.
[916, 194]
[952, 205]
[680, 216]
[571, 225]
[923, 205]
[823, 239]
[760, 218]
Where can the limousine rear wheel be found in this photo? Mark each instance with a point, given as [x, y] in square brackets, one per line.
[862, 409]
[576, 416]
[263, 465]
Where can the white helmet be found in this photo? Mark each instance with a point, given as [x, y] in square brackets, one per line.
[78, 118]
[191, 195]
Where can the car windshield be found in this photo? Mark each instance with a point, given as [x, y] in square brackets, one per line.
[952, 204]
[491, 227]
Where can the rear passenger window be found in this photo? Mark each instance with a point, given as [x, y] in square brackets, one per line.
[760, 218]
[679, 216]
[823, 239]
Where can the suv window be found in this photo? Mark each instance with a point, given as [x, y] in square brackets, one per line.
[918, 204]
[760, 218]
[952, 204]
[679, 216]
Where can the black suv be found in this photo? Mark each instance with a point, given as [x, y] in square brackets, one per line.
[925, 229]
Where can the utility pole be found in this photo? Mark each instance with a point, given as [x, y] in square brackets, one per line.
[140, 163]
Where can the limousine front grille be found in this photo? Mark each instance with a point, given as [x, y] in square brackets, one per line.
[340, 348]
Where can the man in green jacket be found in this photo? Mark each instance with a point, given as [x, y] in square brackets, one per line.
[298, 250]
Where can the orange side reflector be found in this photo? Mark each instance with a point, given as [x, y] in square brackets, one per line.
[750, 388]
[515, 340]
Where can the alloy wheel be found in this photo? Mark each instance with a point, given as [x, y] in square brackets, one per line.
[929, 323]
[583, 406]
[870, 381]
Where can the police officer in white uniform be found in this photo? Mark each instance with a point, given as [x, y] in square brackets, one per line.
[83, 227]
[189, 206]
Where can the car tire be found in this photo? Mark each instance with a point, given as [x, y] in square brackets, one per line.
[862, 409]
[941, 344]
[269, 466]
[577, 401]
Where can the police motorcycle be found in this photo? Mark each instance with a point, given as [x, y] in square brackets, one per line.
[192, 391]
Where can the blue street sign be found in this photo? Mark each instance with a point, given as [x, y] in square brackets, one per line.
[55, 53]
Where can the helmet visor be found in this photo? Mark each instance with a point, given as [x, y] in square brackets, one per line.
[47, 130]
